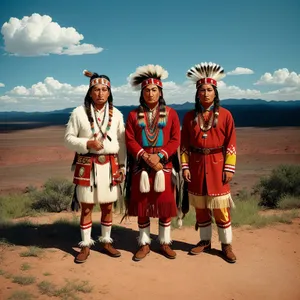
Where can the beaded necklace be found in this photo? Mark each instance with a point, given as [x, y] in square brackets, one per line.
[205, 123]
[104, 134]
[152, 124]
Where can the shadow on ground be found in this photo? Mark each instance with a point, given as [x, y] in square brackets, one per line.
[66, 235]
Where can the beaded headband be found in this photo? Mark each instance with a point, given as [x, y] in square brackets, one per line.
[97, 80]
[152, 81]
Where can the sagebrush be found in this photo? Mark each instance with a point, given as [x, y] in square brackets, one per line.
[56, 195]
[283, 181]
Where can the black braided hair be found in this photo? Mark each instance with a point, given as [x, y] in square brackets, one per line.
[161, 101]
[88, 99]
[198, 108]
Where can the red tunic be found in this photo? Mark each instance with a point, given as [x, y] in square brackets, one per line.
[152, 204]
[207, 170]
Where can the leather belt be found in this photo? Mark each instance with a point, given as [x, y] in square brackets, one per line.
[100, 158]
[206, 151]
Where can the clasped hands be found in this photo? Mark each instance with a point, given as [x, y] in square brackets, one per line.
[153, 160]
[95, 144]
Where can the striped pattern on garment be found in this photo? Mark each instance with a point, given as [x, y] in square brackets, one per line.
[144, 225]
[86, 226]
[106, 223]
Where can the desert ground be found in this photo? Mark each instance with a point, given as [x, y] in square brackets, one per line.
[268, 265]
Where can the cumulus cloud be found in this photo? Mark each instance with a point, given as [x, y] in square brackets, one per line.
[39, 35]
[280, 77]
[240, 71]
[234, 92]
[43, 96]
[2, 84]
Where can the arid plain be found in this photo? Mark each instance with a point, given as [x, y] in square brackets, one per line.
[268, 259]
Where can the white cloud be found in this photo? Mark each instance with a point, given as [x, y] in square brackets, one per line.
[280, 77]
[7, 99]
[240, 71]
[2, 84]
[43, 96]
[54, 95]
[291, 93]
[38, 35]
[235, 92]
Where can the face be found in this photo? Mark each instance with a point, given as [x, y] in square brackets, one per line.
[99, 94]
[151, 94]
[206, 94]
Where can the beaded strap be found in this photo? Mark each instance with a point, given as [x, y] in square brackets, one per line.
[105, 133]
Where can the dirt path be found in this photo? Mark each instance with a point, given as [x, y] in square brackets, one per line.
[267, 268]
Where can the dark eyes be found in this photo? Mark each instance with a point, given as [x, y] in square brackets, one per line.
[153, 90]
[103, 90]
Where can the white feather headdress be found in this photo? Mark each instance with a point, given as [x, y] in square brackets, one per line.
[206, 73]
[144, 74]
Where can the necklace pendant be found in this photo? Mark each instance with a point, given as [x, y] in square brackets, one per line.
[204, 136]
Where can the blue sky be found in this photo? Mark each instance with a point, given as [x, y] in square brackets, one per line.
[45, 46]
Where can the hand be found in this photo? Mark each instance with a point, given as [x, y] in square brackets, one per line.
[158, 167]
[227, 177]
[154, 159]
[122, 175]
[186, 175]
[151, 159]
[94, 144]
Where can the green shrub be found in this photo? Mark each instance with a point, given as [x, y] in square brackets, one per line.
[15, 206]
[30, 189]
[289, 202]
[284, 180]
[32, 252]
[55, 197]
[243, 195]
[23, 280]
[24, 295]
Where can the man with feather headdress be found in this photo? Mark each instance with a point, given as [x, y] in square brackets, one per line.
[208, 158]
[152, 138]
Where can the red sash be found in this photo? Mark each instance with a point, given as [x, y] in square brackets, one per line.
[82, 171]
[84, 163]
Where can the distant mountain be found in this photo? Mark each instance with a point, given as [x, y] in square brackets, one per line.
[246, 113]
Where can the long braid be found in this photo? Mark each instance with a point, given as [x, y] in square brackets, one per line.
[198, 108]
[162, 120]
[216, 107]
[87, 105]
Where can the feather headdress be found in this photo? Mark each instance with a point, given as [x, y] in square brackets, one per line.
[148, 74]
[206, 73]
[96, 79]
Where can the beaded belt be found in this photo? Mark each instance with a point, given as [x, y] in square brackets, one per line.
[206, 151]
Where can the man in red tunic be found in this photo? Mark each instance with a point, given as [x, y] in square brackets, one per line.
[208, 157]
[152, 138]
